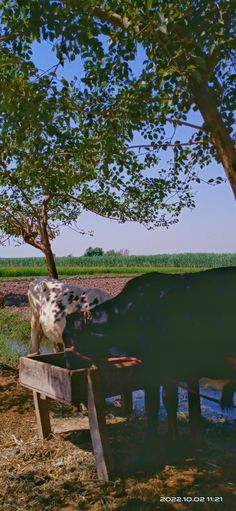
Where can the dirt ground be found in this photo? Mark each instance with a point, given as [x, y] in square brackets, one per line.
[15, 292]
[60, 473]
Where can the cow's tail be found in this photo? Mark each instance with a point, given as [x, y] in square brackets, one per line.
[227, 396]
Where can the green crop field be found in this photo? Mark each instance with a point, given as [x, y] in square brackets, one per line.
[172, 260]
[97, 265]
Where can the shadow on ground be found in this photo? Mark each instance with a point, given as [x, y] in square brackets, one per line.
[60, 473]
[14, 299]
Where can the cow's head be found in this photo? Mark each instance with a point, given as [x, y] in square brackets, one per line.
[86, 333]
[110, 329]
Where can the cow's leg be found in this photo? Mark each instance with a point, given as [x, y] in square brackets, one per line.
[152, 404]
[227, 395]
[170, 400]
[127, 403]
[194, 407]
[36, 334]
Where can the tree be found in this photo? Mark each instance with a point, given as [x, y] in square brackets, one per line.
[190, 59]
[36, 176]
[91, 252]
[29, 223]
[30, 215]
[107, 179]
[124, 252]
[112, 253]
[90, 121]
[118, 253]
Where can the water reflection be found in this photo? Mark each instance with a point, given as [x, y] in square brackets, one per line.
[209, 409]
[21, 349]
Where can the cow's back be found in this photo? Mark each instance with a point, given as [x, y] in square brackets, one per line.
[52, 300]
[36, 291]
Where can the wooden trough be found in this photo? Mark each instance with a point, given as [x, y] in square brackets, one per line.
[47, 377]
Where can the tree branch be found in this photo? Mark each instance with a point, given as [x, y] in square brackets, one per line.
[10, 37]
[177, 144]
[13, 181]
[92, 210]
[117, 20]
[212, 61]
[110, 115]
[32, 241]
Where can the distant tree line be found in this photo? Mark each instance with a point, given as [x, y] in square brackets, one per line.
[98, 251]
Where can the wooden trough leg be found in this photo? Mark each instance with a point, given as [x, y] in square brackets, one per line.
[194, 407]
[42, 414]
[97, 422]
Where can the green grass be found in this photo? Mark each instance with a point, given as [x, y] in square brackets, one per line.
[13, 328]
[67, 271]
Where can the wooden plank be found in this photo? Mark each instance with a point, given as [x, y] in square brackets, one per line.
[79, 392]
[55, 382]
[42, 415]
[97, 421]
[57, 359]
[71, 386]
[113, 381]
[46, 379]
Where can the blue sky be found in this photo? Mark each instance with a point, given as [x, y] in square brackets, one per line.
[210, 227]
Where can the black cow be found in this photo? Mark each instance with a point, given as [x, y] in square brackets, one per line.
[182, 327]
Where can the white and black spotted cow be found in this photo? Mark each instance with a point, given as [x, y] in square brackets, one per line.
[51, 301]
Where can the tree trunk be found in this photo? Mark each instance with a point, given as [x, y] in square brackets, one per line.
[219, 132]
[47, 249]
[50, 262]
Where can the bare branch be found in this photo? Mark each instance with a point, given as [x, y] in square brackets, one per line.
[78, 230]
[183, 123]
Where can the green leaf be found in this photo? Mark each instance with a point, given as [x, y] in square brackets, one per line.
[148, 5]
